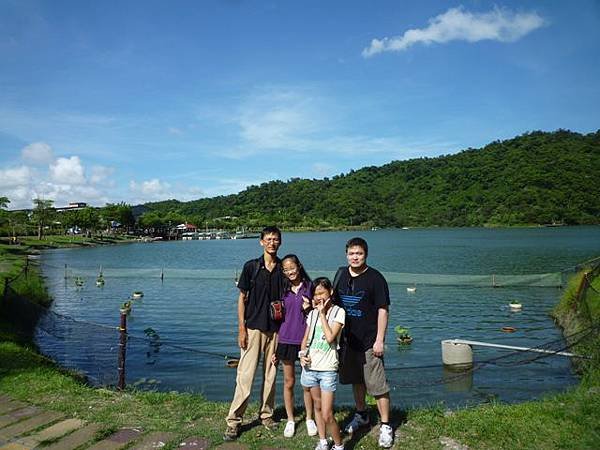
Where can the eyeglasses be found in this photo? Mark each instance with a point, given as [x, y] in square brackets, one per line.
[272, 240]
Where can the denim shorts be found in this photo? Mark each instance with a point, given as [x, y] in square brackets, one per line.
[326, 380]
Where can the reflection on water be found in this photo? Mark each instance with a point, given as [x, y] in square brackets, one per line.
[184, 329]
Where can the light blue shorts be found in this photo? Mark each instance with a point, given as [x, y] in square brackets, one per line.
[326, 380]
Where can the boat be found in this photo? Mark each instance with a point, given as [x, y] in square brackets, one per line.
[243, 234]
[411, 289]
[137, 295]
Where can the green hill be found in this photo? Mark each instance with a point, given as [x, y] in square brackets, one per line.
[536, 178]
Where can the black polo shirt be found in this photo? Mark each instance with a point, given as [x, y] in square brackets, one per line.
[267, 286]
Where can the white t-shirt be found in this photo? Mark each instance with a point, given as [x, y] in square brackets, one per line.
[323, 355]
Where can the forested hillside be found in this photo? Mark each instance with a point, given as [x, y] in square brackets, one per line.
[536, 178]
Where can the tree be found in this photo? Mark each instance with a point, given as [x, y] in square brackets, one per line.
[120, 212]
[4, 201]
[88, 219]
[42, 214]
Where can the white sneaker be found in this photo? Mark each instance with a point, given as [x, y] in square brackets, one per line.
[322, 445]
[386, 436]
[290, 429]
[356, 423]
[337, 447]
[311, 427]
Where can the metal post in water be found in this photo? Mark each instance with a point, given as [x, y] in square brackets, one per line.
[122, 348]
[65, 271]
[162, 274]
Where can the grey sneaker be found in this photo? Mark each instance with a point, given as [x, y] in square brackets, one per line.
[231, 434]
[356, 423]
[386, 436]
[269, 423]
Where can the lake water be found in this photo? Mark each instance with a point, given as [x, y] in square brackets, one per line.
[193, 320]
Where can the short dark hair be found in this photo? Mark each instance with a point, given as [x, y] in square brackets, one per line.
[360, 242]
[270, 230]
[325, 282]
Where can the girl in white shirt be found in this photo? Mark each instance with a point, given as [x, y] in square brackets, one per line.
[319, 359]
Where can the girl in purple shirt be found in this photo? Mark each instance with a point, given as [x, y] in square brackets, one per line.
[298, 291]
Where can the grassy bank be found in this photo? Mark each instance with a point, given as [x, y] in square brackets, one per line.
[567, 420]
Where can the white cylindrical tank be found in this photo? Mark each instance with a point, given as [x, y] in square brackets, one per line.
[454, 354]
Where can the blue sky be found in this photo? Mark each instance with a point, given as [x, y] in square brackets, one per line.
[148, 100]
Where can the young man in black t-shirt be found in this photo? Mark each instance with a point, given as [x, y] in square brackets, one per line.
[365, 297]
[260, 283]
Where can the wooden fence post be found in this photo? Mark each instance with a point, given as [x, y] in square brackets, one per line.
[122, 348]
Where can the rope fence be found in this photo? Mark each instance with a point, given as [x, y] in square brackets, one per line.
[103, 348]
[103, 342]
[552, 279]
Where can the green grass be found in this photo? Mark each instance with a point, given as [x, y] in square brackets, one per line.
[564, 421]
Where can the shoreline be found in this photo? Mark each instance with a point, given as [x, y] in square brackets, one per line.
[27, 375]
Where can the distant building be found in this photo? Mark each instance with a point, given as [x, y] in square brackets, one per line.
[186, 227]
[73, 206]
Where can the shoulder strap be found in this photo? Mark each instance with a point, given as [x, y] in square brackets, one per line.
[338, 275]
[255, 270]
[314, 328]
[337, 310]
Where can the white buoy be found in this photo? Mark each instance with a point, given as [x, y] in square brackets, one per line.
[454, 354]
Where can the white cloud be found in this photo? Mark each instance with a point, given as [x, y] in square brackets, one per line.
[150, 190]
[67, 171]
[322, 169]
[37, 153]
[157, 190]
[62, 181]
[271, 119]
[100, 174]
[175, 131]
[15, 177]
[457, 24]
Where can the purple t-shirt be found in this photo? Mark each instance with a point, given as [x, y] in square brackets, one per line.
[293, 326]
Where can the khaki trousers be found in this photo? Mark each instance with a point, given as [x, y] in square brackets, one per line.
[259, 343]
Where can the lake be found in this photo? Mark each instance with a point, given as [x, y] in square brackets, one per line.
[186, 324]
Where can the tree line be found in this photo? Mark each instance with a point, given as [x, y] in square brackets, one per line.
[536, 178]
[44, 219]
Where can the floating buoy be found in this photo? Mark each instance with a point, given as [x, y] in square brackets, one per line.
[411, 289]
[515, 306]
[137, 294]
[508, 329]
[233, 363]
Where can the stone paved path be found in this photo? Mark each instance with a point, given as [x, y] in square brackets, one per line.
[26, 427]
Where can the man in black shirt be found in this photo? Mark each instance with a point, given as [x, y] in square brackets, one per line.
[260, 283]
[365, 297]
